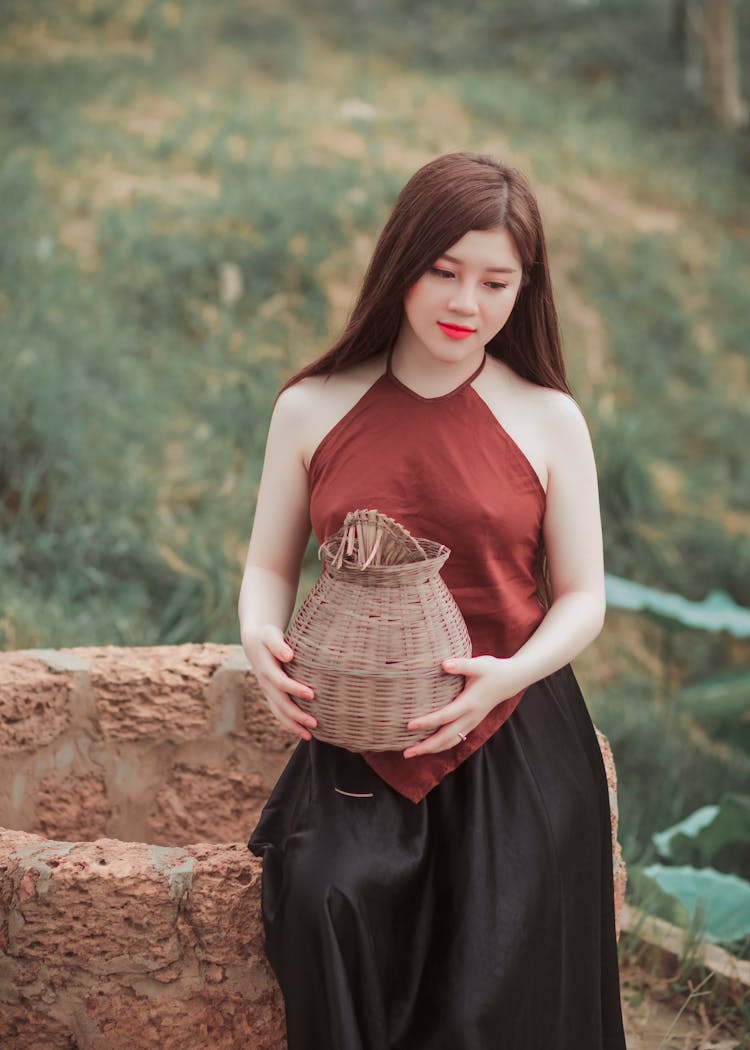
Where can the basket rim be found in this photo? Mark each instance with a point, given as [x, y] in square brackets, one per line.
[439, 551]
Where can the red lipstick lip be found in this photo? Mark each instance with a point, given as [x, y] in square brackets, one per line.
[455, 331]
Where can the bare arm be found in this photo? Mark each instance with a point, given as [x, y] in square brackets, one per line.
[573, 538]
[281, 526]
[281, 529]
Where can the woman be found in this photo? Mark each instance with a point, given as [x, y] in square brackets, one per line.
[456, 895]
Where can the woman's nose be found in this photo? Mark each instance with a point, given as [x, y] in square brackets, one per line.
[463, 299]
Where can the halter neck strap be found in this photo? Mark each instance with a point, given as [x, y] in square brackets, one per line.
[462, 386]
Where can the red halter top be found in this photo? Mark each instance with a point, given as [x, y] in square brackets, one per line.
[448, 471]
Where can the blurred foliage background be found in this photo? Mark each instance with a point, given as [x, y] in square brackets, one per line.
[190, 193]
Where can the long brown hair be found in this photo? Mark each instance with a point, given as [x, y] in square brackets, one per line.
[441, 202]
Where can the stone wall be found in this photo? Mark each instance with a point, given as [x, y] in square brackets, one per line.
[130, 780]
[170, 744]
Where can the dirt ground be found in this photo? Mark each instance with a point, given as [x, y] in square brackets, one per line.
[651, 1024]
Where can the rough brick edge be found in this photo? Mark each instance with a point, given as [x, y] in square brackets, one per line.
[619, 871]
[60, 992]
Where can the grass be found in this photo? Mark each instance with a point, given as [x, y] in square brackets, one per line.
[717, 1005]
[666, 765]
[153, 147]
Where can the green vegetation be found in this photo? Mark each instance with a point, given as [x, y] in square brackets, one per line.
[157, 154]
[190, 194]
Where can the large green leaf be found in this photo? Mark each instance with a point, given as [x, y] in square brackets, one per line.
[651, 899]
[724, 899]
[701, 837]
[674, 842]
[717, 612]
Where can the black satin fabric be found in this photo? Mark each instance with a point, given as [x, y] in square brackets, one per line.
[481, 918]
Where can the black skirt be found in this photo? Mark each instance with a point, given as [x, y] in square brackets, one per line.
[481, 918]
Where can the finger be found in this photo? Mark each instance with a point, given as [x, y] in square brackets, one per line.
[290, 710]
[271, 675]
[293, 711]
[283, 717]
[443, 715]
[293, 687]
[465, 665]
[460, 705]
[440, 741]
[281, 689]
[273, 639]
[292, 727]
[290, 723]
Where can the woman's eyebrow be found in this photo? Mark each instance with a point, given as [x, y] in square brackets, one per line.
[489, 269]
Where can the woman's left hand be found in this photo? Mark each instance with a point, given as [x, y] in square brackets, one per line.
[489, 680]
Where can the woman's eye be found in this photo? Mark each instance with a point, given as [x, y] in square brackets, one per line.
[496, 286]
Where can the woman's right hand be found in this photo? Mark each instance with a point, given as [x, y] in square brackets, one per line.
[266, 650]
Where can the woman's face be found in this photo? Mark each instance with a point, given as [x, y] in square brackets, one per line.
[465, 298]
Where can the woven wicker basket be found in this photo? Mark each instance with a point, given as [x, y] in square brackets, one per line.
[372, 633]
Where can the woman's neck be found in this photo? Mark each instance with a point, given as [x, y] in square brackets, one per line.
[425, 373]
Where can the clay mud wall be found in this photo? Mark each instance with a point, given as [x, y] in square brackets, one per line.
[130, 780]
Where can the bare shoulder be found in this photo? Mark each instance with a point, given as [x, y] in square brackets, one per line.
[553, 411]
[314, 392]
[546, 424]
[315, 404]
[295, 400]
[561, 410]
[567, 438]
